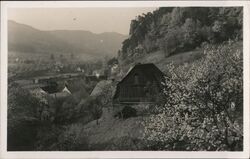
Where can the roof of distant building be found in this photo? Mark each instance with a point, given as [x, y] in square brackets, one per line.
[54, 88]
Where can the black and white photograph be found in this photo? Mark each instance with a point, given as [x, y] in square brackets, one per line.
[161, 78]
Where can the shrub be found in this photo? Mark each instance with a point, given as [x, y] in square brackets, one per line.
[92, 107]
[127, 112]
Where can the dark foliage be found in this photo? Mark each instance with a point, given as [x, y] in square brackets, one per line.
[174, 30]
[127, 112]
[22, 119]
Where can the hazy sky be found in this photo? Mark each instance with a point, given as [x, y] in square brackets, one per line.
[96, 20]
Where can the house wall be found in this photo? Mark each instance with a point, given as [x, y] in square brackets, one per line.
[137, 88]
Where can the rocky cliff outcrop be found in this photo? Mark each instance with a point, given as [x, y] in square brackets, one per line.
[174, 30]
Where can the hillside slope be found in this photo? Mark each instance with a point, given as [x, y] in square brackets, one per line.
[149, 42]
[158, 58]
[175, 30]
[127, 134]
[115, 134]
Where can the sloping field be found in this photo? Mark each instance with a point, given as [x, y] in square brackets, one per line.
[159, 59]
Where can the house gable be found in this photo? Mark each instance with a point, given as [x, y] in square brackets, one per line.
[141, 84]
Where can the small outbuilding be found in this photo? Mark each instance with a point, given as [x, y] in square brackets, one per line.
[142, 84]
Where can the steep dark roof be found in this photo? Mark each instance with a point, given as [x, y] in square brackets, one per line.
[149, 70]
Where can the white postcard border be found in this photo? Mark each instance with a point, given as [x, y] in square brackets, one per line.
[120, 154]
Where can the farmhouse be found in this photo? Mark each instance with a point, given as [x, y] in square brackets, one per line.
[142, 84]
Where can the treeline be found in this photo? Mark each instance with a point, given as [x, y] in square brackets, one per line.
[174, 29]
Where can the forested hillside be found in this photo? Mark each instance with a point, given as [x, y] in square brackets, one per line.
[176, 30]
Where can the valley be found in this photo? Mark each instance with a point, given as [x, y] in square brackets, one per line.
[175, 83]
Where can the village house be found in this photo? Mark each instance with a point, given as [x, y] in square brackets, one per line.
[56, 90]
[142, 84]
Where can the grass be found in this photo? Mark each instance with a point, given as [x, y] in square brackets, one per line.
[159, 59]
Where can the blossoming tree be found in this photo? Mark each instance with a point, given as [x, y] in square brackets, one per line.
[203, 107]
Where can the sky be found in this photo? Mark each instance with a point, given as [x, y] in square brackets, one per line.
[96, 20]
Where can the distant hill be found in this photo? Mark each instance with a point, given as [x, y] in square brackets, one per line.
[105, 43]
[24, 38]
